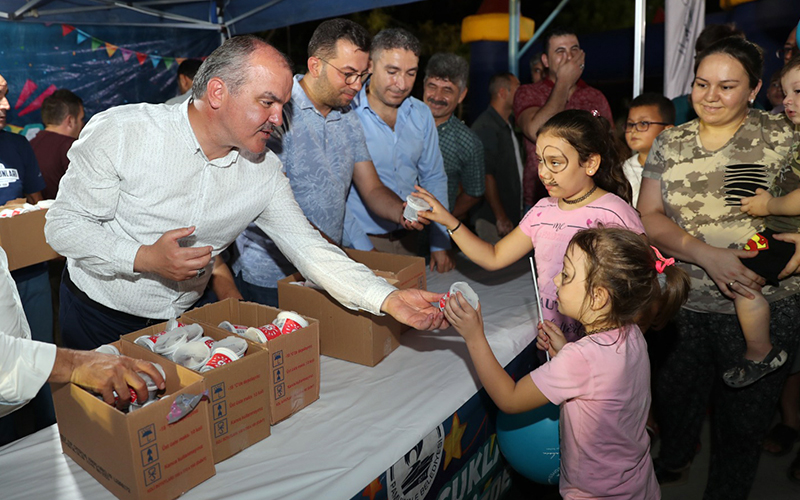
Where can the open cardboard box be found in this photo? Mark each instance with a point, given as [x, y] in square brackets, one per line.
[22, 237]
[239, 412]
[138, 455]
[293, 359]
[355, 336]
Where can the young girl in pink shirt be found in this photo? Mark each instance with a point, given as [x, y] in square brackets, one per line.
[582, 172]
[611, 278]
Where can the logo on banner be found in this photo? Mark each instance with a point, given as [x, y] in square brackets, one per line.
[411, 477]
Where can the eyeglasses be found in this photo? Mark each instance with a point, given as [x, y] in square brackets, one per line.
[787, 49]
[349, 77]
[641, 126]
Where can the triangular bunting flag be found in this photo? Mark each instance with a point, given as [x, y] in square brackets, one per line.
[66, 29]
[27, 89]
[168, 62]
[155, 60]
[141, 57]
[37, 103]
[110, 48]
[126, 54]
[180, 60]
[96, 43]
[82, 36]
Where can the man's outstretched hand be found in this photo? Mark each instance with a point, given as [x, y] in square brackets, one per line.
[413, 307]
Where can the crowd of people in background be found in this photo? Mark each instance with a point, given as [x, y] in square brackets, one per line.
[328, 157]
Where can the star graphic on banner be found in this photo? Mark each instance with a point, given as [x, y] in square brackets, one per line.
[372, 489]
[452, 442]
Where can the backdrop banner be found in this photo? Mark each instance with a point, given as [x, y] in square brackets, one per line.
[104, 66]
[685, 20]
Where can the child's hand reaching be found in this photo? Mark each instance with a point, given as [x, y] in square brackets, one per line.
[757, 205]
[438, 214]
[467, 321]
[550, 338]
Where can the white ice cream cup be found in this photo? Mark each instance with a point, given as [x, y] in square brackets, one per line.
[193, 331]
[289, 321]
[236, 344]
[230, 327]
[414, 205]
[192, 355]
[108, 349]
[148, 341]
[262, 333]
[220, 357]
[168, 343]
[207, 341]
[466, 291]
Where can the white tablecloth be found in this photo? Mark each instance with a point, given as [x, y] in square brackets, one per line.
[364, 421]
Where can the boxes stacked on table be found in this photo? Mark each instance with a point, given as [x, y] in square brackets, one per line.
[138, 454]
[355, 336]
[292, 360]
[22, 237]
[239, 409]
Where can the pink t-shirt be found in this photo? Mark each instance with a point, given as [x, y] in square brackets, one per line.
[551, 230]
[602, 383]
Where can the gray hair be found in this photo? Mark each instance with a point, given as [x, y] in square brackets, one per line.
[448, 67]
[231, 62]
[394, 38]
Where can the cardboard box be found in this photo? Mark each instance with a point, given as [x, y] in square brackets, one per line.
[138, 455]
[22, 237]
[239, 413]
[356, 336]
[293, 359]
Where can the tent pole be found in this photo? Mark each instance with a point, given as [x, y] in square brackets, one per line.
[514, 13]
[639, 26]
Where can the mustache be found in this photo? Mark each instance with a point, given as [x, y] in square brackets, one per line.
[438, 103]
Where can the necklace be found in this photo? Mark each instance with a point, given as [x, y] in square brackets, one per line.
[578, 200]
[601, 330]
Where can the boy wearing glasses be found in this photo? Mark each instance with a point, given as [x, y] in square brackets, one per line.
[650, 113]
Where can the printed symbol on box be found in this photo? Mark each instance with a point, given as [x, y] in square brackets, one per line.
[280, 391]
[152, 474]
[220, 410]
[147, 435]
[218, 392]
[220, 428]
[277, 374]
[149, 455]
[277, 358]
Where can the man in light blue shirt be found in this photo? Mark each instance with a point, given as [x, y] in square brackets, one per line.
[322, 148]
[404, 146]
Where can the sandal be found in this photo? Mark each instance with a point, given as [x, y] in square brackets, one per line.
[794, 470]
[748, 371]
[783, 437]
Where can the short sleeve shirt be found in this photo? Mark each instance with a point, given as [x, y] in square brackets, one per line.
[19, 171]
[462, 152]
[702, 191]
[551, 229]
[535, 95]
[602, 383]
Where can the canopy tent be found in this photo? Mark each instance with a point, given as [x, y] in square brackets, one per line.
[226, 16]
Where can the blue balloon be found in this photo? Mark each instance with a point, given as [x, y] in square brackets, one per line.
[529, 441]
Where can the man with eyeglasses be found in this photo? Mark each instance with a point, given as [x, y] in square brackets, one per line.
[562, 89]
[322, 148]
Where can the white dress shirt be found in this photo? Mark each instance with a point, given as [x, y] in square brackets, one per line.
[138, 171]
[24, 364]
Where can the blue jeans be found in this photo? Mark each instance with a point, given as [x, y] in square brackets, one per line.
[255, 293]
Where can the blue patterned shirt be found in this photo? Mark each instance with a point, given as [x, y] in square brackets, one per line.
[404, 156]
[318, 155]
[464, 162]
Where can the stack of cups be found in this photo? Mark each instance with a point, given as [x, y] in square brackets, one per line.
[466, 291]
[192, 355]
[152, 390]
[167, 344]
[230, 327]
[285, 323]
[225, 351]
[414, 205]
